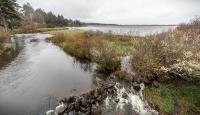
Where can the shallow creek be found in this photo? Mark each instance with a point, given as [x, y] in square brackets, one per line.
[39, 74]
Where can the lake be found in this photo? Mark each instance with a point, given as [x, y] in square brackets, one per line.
[128, 30]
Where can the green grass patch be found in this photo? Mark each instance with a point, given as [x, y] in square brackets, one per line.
[182, 98]
[4, 47]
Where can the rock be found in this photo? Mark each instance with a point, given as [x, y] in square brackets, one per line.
[95, 111]
[104, 95]
[152, 77]
[124, 95]
[155, 84]
[109, 90]
[99, 99]
[89, 102]
[97, 104]
[147, 82]
[92, 101]
[48, 39]
[71, 99]
[116, 100]
[33, 40]
[83, 109]
[70, 107]
[84, 102]
[138, 80]
[77, 106]
[136, 86]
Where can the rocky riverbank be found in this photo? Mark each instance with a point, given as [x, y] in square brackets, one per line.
[109, 97]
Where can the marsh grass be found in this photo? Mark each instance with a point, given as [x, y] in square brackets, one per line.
[4, 36]
[102, 48]
[4, 41]
[76, 45]
[181, 98]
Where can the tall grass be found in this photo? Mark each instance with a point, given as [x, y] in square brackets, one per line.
[4, 36]
[4, 41]
[78, 45]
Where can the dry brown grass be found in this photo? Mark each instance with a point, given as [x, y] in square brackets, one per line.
[4, 36]
[166, 49]
[28, 27]
[59, 38]
[78, 45]
[107, 58]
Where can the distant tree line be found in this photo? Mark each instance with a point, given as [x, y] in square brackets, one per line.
[13, 16]
[46, 18]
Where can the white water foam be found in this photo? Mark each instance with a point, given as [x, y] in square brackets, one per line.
[135, 99]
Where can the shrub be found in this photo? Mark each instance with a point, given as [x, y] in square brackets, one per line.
[28, 27]
[107, 58]
[151, 54]
[165, 50]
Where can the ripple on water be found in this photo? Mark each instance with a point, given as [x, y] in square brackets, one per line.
[41, 70]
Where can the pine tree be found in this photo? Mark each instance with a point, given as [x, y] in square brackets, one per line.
[8, 12]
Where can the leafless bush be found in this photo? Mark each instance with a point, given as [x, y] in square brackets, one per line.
[28, 27]
[167, 49]
[106, 57]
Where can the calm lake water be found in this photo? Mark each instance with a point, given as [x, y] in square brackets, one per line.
[129, 30]
[32, 82]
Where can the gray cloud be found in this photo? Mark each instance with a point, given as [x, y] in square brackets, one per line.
[122, 11]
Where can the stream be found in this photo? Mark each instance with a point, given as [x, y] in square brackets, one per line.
[37, 74]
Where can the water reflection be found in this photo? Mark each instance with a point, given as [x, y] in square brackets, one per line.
[86, 66]
[16, 46]
[39, 75]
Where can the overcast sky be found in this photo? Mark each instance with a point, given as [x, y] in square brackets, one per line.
[122, 11]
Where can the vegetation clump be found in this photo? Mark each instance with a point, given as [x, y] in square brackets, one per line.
[4, 42]
[28, 27]
[166, 51]
[180, 98]
[107, 58]
[103, 48]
